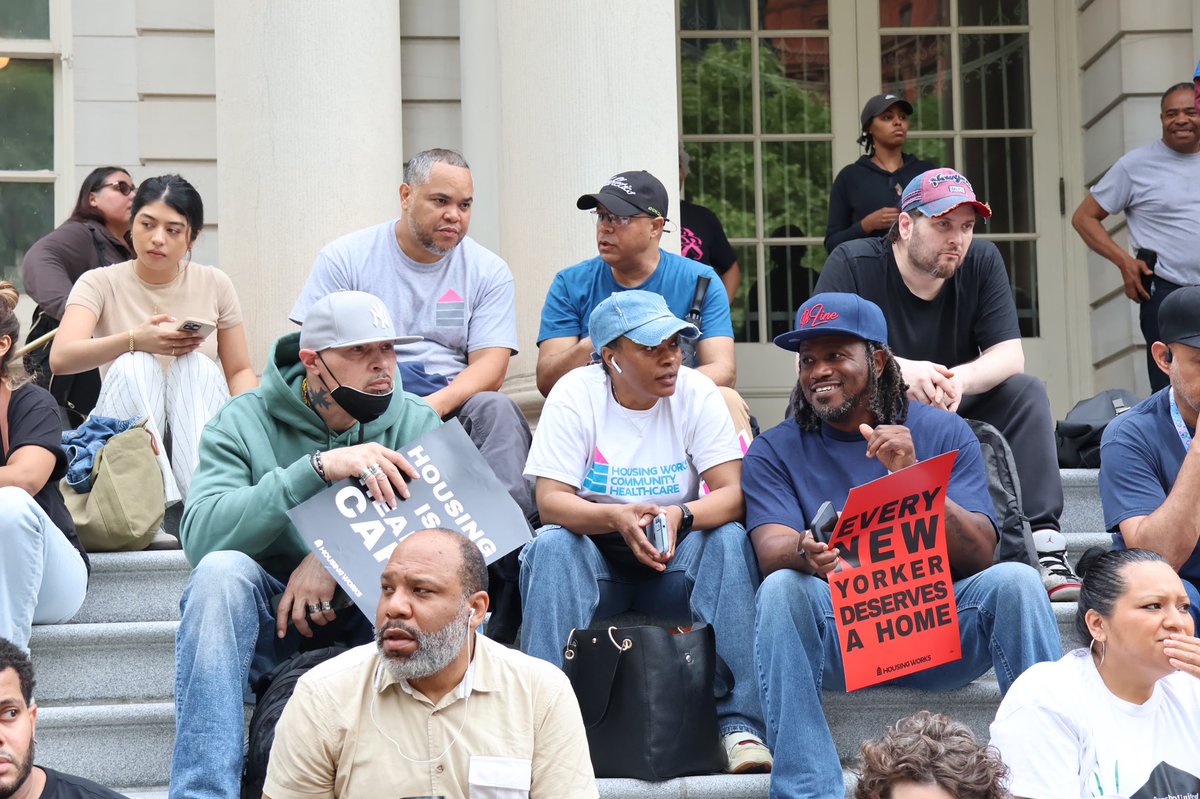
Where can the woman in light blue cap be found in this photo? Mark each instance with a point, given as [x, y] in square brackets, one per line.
[635, 438]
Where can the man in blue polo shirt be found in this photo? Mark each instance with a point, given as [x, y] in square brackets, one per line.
[851, 422]
[630, 212]
[1149, 473]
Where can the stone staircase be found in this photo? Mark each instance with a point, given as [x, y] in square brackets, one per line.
[105, 681]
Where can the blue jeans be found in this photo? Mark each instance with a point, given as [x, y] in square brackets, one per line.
[797, 653]
[43, 580]
[226, 640]
[566, 583]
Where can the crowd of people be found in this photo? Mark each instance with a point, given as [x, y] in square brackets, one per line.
[409, 323]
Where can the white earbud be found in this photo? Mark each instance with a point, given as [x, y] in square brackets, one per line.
[616, 365]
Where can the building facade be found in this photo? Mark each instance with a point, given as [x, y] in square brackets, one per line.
[294, 121]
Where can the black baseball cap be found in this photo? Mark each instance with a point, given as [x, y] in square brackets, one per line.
[880, 103]
[629, 194]
[1179, 317]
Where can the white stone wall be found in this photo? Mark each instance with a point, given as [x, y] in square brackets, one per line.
[144, 95]
[1130, 51]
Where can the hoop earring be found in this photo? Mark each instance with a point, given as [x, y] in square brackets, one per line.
[1103, 651]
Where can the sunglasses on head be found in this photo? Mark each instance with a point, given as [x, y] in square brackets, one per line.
[122, 186]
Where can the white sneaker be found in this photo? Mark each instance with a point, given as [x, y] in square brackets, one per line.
[747, 754]
[1060, 580]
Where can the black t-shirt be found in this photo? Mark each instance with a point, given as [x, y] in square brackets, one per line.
[66, 786]
[703, 239]
[33, 421]
[974, 311]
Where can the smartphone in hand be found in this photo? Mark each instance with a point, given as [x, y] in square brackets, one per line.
[824, 522]
[197, 327]
[658, 534]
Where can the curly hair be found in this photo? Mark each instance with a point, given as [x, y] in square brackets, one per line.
[888, 393]
[931, 749]
[17, 659]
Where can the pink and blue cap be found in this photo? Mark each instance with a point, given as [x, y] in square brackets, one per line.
[937, 192]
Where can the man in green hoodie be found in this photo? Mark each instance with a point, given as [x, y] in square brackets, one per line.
[327, 410]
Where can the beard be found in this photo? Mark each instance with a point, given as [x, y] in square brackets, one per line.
[434, 652]
[425, 239]
[833, 413]
[925, 259]
[24, 768]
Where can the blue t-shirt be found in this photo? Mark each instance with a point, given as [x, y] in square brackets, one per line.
[1140, 457]
[578, 289]
[788, 473]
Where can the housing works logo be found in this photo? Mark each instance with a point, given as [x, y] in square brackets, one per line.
[596, 479]
[908, 664]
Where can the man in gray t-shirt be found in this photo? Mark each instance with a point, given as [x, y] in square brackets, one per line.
[1155, 186]
[452, 291]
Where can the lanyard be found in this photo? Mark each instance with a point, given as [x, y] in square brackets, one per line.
[1180, 427]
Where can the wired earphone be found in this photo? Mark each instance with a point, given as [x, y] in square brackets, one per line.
[468, 679]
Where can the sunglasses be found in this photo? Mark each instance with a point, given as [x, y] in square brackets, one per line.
[612, 220]
[121, 186]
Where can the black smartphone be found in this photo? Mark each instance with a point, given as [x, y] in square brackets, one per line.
[1150, 259]
[824, 522]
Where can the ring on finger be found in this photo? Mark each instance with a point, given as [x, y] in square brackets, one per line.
[326, 607]
[314, 609]
[365, 475]
[376, 470]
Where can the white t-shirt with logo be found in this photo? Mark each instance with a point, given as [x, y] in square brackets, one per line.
[610, 453]
[1064, 735]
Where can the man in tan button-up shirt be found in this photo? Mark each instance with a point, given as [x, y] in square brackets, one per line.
[432, 709]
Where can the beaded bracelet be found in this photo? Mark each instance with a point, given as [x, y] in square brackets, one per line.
[318, 467]
[131, 341]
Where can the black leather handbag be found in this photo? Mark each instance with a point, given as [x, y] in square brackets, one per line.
[648, 701]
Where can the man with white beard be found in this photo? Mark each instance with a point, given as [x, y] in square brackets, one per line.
[431, 708]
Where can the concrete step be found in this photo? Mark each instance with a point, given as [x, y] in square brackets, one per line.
[126, 745]
[864, 714]
[1078, 543]
[134, 587]
[99, 663]
[1082, 512]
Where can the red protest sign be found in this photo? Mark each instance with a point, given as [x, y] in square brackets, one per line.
[893, 597]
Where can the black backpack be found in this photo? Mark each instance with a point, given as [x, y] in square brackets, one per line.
[1078, 436]
[273, 691]
[1004, 487]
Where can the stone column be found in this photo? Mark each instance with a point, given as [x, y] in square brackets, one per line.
[557, 98]
[308, 141]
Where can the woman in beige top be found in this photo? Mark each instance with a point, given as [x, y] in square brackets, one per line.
[157, 326]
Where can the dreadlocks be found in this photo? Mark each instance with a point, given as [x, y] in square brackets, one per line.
[888, 393]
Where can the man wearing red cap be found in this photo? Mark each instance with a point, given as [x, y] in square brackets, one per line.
[953, 327]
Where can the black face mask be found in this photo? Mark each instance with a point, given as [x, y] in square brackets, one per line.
[364, 407]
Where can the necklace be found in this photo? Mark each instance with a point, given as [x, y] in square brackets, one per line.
[304, 391]
[641, 429]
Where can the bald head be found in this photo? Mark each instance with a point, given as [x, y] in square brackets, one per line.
[437, 543]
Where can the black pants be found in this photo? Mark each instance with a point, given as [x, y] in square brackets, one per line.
[1148, 316]
[1020, 409]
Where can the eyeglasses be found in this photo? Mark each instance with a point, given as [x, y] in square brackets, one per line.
[121, 186]
[612, 220]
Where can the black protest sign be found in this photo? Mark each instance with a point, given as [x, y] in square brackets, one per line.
[353, 537]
